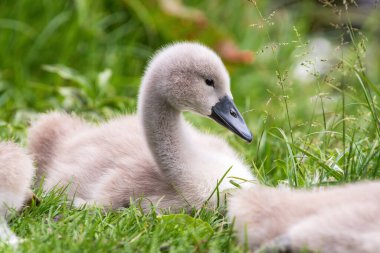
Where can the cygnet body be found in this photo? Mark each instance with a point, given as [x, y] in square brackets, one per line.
[337, 219]
[155, 154]
[16, 172]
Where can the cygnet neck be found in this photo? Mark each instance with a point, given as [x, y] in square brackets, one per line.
[164, 129]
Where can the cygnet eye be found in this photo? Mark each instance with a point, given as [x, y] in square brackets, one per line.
[210, 82]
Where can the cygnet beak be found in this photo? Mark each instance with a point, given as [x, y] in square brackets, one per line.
[225, 113]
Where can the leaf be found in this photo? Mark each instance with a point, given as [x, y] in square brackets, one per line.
[67, 74]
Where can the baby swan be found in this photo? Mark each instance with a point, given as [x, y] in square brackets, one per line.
[16, 172]
[337, 219]
[154, 155]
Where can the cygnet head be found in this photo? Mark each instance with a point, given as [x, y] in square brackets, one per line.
[191, 77]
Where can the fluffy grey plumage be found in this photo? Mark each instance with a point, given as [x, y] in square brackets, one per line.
[338, 219]
[16, 172]
[154, 154]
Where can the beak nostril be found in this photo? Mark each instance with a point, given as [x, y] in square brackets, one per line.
[233, 113]
[225, 113]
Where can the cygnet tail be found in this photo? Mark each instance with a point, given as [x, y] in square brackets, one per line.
[47, 134]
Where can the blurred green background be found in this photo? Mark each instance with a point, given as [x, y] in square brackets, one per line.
[294, 69]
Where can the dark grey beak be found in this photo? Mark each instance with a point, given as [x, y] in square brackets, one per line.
[225, 113]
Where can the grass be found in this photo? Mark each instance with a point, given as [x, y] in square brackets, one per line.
[56, 226]
[87, 57]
